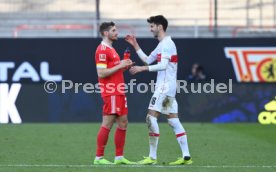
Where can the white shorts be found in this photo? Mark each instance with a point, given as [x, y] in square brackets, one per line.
[162, 103]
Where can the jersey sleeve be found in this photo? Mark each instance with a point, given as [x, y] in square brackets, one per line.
[166, 51]
[152, 57]
[101, 59]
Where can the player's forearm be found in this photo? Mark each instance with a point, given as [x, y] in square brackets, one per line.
[136, 46]
[107, 72]
[142, 55]
[145, 68]
[160, 66]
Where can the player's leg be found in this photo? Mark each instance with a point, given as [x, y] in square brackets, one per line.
[180, 134]
[154, 133]
[103, 134]
[102, 139]
[119, 140]
[153, 128]
[120, 133]
[120, 136]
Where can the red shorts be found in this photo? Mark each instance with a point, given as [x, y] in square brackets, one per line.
[116, 104]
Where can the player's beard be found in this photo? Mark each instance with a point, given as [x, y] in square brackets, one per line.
[155, 34]
[113, 38]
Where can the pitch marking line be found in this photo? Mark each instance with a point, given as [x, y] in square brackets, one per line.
[133, 166]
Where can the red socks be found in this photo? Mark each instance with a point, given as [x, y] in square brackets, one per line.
[102, 140]
[119, 140]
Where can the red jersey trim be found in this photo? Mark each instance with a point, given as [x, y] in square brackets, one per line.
[174, 58]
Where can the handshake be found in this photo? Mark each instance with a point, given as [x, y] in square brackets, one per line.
[126, 64]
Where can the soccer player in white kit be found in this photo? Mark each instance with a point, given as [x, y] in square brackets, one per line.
[163, 100]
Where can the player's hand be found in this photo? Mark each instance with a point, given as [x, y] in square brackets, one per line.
[126, 63]
[128, 67]
[137, 69]
[131, 39]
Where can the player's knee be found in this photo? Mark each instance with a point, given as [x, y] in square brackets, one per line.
[107, 125]
[153, 113]
[176, 125]
[151, 120]
[123, 123]
[148, 121]
[147, 118]
[108, 122]
[173, 122]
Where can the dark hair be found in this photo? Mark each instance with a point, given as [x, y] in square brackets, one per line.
[159, 20]
[105, 26]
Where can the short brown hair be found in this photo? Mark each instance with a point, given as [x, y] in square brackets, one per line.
[105, 26]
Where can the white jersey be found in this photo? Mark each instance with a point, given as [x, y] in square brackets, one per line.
[166, 82]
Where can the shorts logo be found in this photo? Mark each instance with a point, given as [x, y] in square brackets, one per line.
[252, 64]
[102, 57]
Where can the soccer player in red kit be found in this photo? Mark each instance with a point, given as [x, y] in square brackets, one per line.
[110, 73]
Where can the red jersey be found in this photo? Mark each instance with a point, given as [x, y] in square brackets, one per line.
[107, 57]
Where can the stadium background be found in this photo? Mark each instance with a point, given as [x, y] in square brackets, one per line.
[63, 33]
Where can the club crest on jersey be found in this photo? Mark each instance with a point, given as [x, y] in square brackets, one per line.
[253, 64]
[102, 57]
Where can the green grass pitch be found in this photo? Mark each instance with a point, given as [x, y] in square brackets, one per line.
[71, 147]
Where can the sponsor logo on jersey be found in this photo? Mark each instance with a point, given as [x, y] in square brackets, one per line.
[102, 57]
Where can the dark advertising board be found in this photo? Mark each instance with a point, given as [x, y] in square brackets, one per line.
[247, 67]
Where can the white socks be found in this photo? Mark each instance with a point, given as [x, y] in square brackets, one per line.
[153, 135]
[180, 135]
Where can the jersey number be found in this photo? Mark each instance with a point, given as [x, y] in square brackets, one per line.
[153, 100]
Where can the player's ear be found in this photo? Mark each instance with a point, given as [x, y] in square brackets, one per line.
[105, 33]
[159, 27]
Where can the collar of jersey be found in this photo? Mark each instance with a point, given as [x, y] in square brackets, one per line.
[106, 44]
[166, 37]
